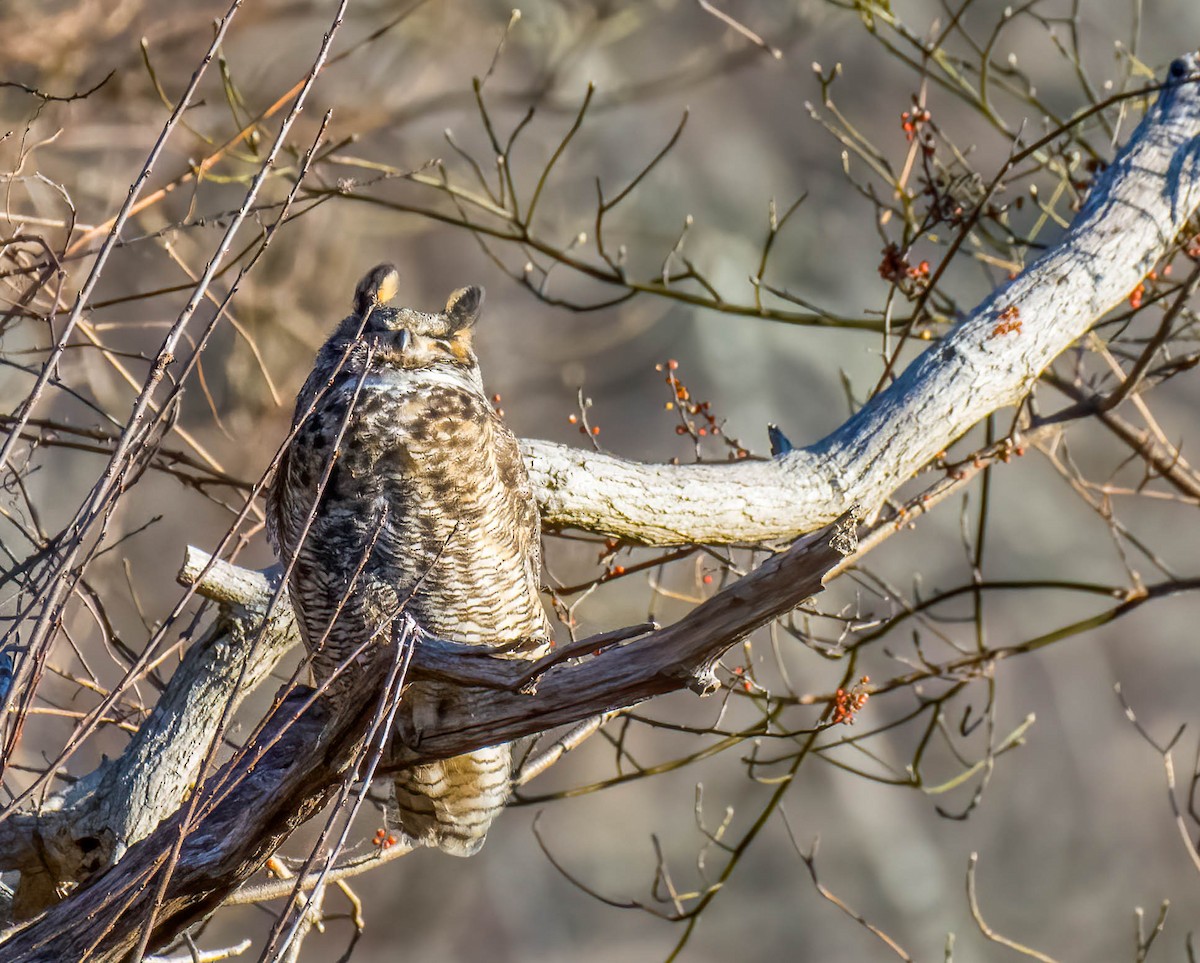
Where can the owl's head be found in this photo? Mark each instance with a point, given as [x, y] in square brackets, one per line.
[415, 339]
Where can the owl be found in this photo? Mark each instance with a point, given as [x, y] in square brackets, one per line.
[403, 491]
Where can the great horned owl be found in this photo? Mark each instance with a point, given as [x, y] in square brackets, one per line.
[422, 504]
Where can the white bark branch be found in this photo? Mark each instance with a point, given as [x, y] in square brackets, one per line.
[92, 823]
[1135, 210]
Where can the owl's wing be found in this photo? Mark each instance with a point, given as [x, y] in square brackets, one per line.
[341, 585]
[281, 496]
[276, 494]
[522, 508]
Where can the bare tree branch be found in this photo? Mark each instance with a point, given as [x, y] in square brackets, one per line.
[991, 359]
[292, 769]
[92, 823]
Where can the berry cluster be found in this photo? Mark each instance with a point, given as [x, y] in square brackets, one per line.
[608, 555]
[895, 268]
[383, 839]
[686, 406]
[1010, 322]
[1137, 296]
[696, 418]
[847, 702]
[911, 121]
[581, 420]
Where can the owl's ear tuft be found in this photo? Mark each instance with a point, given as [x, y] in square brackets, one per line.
[378, 286]
[463, 307]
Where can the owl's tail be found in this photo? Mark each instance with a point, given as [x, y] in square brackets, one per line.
[449, 804]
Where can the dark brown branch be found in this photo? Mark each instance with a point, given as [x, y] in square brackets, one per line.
[252, 804]
[103, 921]
[680, 655]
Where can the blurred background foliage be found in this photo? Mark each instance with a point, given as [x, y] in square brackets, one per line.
[1071, 827]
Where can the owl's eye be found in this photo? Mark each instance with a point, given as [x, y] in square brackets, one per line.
[443, 344]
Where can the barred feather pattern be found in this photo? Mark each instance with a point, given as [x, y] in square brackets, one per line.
[426, 508]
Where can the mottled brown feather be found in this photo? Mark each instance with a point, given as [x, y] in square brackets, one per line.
[428, 507]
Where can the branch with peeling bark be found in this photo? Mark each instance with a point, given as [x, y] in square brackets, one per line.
[1135, 210]
[95, 820]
